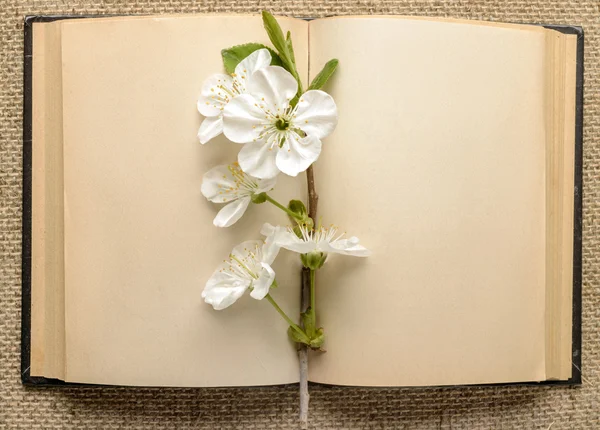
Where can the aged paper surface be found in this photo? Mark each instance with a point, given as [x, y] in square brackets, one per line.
[47, 263]
[437, 164]
[139, 238]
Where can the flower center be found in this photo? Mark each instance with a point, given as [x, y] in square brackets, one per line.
[328, 234]
[277, 126]
[282, 124]
[245, 265]
[243, 184]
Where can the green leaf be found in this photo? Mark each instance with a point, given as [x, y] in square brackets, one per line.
[276, 36]
[294, 101]
[318, 339]
[234, 55]
[315, 335]
[297, 336]
[321, 79]
[284, 48]
[288, 41]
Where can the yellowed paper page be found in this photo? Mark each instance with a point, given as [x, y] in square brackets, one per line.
[438, 165]
[47, 276]
[139, 240]
[559, 209]
[38, 261]
[566, 282]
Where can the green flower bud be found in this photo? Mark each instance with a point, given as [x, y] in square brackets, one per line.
[298, 208]
[259, 198]
[309, 223]
[313, 260]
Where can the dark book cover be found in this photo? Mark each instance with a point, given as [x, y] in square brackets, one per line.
[26, 376]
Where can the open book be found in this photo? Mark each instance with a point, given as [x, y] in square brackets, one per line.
[456, 160]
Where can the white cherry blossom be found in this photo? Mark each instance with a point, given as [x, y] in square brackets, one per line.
[276, 136]
[248, 267]
[326, 240]
[219, 89]
[229, 184]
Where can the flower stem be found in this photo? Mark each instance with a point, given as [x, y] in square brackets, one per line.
[293, 325]
[283, 208]
[313, 298]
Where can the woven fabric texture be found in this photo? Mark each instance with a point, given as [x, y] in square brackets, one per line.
[276, 407]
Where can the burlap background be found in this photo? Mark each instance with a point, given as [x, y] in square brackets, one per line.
[275, 408]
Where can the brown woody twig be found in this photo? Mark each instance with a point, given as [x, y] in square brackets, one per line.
[313, 200]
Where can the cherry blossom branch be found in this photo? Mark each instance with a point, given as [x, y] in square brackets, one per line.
[313, 197]
[303, 354]
[305, 299]
[256, 176]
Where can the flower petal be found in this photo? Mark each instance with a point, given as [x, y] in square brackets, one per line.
[261, 286]
[243, 120]
[223, 289]
[287, 239]
[298, 154]
[215, 94]
[247, 252]
[219, 185]
[210, 128]
[232, 212]
[257, 60]
[270, 248]
[258, 160]
[273, 86]
[266, 184]
[345, 247]
[268, 229]
[316, 114]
